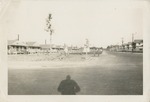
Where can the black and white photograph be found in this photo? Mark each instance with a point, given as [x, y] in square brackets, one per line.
[74, 48]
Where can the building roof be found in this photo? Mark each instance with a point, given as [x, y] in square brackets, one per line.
[93, 47]
[47, 46]
[138, 41]
[59, 46]
[16, 43]
[32, 44]
[73, 48]
[10, 42]
[116, 45]
[129, 43]
[126, 44]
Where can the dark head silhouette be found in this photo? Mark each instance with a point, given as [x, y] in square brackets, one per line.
[68, 77]
[68, 86]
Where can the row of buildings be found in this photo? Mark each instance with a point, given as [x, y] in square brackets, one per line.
[135, 46]
[19, 47]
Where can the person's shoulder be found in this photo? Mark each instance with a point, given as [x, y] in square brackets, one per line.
[73, 81]
[63, 81]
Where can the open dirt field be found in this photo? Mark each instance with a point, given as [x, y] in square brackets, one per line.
[109, 74]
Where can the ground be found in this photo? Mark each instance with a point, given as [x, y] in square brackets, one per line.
[111, 73]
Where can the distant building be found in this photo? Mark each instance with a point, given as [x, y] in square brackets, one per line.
[114, 48]
[136, 46]
[117, 47]
[126, 47]
[33, 47]
[96, 50]
[139, 45]
[75, 50]
[130, 46]
[46, 48]
[16, 47]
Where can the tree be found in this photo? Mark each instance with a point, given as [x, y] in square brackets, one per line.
[49, 29]
[133, 45]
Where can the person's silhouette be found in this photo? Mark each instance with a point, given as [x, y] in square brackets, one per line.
[68, 86]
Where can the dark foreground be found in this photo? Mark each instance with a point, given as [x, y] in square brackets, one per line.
[115, 74]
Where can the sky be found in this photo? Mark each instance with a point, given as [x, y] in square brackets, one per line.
[102, 23]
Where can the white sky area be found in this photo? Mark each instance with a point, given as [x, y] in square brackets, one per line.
[103, 23]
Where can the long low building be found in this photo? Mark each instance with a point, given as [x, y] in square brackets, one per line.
[18, 47]
[136, 46]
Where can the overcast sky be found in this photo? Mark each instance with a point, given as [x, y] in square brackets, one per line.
[103, 23]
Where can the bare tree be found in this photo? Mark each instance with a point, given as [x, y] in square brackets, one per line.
[49, 29]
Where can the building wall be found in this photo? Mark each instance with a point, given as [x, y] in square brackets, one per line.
[33, 50]
[12, 49]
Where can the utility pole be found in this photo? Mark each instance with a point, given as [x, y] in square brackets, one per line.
[18, 37]
[122, 43]
[86, 47]
[45, 42]
[132, 41]
[132, 37]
